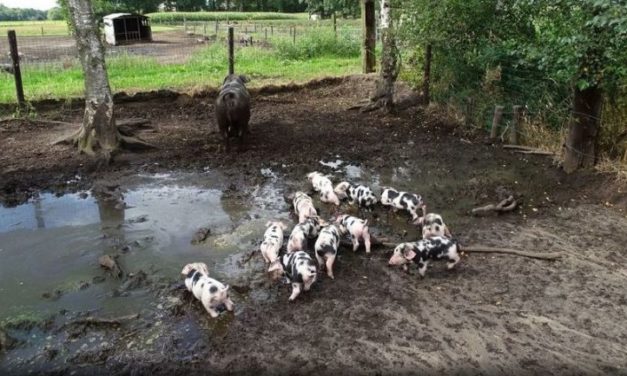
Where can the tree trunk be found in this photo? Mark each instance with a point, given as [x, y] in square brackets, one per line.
[98, 132]
[426, 78]
[98, 129]
[368, 24]
[383, 96]
[580, 145]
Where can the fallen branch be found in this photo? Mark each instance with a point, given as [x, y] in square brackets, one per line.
[535, 152]
[359, 105]
[518, 147]
[506, 205]
[537, 255]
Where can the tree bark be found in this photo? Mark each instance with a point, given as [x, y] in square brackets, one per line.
[98, 130]
[580, 145]
[368, 25]
[383, 96]
[426, 77]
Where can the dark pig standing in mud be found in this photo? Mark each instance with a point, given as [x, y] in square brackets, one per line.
[232, 109]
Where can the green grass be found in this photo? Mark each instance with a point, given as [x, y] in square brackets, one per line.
[223, 16]
[33, 28]
[206, 68]
[51, 28]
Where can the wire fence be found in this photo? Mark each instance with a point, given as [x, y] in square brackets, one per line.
[185, 55]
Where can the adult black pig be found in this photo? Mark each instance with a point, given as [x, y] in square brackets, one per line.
[233, 109]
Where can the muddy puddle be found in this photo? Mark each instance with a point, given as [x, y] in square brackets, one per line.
[50, 245]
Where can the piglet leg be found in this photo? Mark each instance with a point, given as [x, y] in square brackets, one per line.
[329, 263]
[295, 291]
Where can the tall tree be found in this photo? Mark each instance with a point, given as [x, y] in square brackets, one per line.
[383, 96]
[98, 133]
[602, 36]
[98, 129]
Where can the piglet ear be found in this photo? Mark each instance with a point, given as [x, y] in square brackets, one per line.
[283, 225]
[409, 253]
[226, 288]
[244, 78]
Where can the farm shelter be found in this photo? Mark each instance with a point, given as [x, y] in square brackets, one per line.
[122, 28]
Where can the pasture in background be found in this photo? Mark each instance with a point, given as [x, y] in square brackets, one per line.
[187, 53]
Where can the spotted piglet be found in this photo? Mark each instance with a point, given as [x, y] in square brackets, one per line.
[357, 228]
[307, 230]
[420, 252]
[299, 268]
[359, 194]
[323, 185]
[303, 206]
[210, 292]
[433, 225]
[272, 240]
[326, 247]
[404, 200]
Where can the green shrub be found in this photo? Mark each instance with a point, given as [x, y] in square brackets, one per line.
[318, 44]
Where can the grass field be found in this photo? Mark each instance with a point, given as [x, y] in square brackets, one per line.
[224, 16]
[31, 28]
[316, 54]
[53, 28]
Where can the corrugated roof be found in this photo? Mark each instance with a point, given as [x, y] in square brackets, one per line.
[121, 15]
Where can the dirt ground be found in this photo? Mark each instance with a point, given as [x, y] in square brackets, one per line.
[491, 315]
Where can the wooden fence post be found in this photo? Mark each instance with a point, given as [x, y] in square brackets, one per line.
[185, 24]
[470, 108]
[271, 29]
[17, 73]
[266, 34]
[294, 34]
[231, 54]
[368, 24]
[204, 28]
[334, 24]
[516, 124]
[251, 40]
[496, 121]
[217, 25]
[426, 77]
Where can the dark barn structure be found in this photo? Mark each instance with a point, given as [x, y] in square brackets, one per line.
[120, 28]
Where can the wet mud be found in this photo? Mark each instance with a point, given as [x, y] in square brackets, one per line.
[154, 212]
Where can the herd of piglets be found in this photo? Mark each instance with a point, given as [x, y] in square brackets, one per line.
[298, 267]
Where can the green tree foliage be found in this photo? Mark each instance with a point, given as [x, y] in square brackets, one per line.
[104, 7]
[21, 14]
[528, 51]
[55, 14]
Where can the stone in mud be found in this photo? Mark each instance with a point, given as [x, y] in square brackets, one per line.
[201, 235]
[56, 294]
